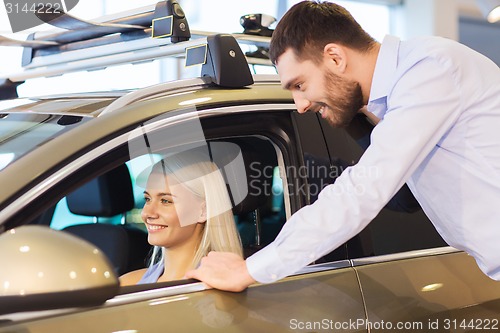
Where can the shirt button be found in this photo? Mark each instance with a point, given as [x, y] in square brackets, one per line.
[274, 276]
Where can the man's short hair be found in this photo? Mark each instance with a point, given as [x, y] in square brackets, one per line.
[310, 25]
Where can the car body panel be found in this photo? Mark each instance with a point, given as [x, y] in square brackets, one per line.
[293, 304]
[429, 289]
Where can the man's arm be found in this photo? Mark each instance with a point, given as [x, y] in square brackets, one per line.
[422, 108]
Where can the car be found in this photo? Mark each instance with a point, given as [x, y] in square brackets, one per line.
[71, 199]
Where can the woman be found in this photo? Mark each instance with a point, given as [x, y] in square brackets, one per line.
[187, 214]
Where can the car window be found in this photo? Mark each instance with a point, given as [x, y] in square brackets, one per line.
[316, 169]
[64, 217]
[100, 211]
[26, 124]
[401, 225]
[258, 218]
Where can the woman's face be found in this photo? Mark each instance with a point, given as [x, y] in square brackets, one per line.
[171, 212]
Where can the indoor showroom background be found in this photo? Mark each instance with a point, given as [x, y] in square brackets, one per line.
[461, 20]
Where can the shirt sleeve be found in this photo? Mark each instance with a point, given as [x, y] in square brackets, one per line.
[422, 106]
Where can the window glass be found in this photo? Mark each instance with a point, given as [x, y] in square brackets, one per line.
[28, 123]
[63, 217]
[248, 164]
[22, 132]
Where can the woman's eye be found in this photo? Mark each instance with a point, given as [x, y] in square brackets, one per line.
[147, 199]
[165, 201]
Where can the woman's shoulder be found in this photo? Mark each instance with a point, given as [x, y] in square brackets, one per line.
[132, 277]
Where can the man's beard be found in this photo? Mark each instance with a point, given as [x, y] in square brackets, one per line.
[344, 100]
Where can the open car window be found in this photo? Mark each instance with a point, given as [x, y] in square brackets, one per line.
[105, 209]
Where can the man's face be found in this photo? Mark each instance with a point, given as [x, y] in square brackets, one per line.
[316, 88]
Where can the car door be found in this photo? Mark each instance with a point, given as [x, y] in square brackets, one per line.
[411, 280]
[324, 296]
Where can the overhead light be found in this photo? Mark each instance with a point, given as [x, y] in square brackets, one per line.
[490, 9]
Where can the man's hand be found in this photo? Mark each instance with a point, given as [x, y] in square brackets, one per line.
[223, 270]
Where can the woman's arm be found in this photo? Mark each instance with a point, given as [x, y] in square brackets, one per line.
[132, 277]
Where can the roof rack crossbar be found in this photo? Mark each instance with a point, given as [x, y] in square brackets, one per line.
[133, 51]
[225, 61]
[79, 31]
[134, 41]
[86, 44]
[90, 31]
[104, 60]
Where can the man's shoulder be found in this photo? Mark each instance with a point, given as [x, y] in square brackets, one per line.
[444, 52]
[428, 46]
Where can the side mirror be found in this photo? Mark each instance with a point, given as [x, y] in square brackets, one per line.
[44, 269]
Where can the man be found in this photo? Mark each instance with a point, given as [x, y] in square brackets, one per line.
[438, 103]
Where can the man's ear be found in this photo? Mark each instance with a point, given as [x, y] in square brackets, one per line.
[203, 213]
[335, 57]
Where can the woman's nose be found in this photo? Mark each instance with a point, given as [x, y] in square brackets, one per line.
[148, 211]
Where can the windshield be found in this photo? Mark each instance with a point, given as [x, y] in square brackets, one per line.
[26, 124]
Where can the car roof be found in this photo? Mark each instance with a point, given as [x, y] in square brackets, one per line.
[73, 104]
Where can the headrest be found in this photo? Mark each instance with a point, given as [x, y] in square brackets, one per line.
[111, 239]
[259, 161]
[107, 195]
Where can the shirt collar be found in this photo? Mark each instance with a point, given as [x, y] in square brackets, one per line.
[385, 66]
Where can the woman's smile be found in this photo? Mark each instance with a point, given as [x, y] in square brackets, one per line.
[155, 227]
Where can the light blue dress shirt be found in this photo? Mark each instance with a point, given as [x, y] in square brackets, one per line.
[439, 105]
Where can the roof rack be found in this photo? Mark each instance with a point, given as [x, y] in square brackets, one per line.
[134, 51]
[143, 35]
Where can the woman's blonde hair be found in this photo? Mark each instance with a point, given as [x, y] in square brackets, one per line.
[202, 177]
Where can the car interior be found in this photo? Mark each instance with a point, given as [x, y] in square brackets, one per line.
[105, 211]
[105, 196]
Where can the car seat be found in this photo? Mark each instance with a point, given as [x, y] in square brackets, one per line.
[254, 211]
[105, 196]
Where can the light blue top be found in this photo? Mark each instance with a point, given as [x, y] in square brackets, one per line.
[153, 273]
[439, 102]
